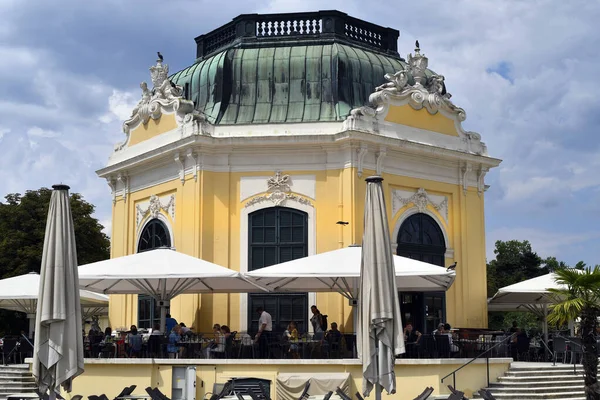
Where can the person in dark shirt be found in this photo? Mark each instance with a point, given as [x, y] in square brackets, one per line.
[169, 324]
[333, 335]
[411, 335]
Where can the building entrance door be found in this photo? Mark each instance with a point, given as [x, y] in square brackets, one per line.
[421, 238]
[277, 235]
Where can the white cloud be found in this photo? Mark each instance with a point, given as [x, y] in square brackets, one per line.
[120, 105]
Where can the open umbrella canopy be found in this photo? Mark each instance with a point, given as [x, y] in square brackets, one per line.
[339, 271]
[531, 291]
[20, 293]
[162, 273]
[58, 348]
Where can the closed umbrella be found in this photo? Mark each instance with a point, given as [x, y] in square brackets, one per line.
[58, 352]
[381, 337]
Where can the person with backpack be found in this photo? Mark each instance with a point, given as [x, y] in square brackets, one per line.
[318, 321]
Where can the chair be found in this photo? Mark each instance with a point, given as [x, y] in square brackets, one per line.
[125, 392]
[342, 395]
[427, 346]
[10, 351]
[264, 391]
[246, 342]
[442, 345]
[486, 394]
[77, 397]
[457, 393]
[155, 346]
[358, 396]
[425, 394]
[329, 394]
[305, 394]
[576, 349]
[559, 344]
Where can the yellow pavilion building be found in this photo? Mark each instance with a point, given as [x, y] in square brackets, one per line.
[258, 152]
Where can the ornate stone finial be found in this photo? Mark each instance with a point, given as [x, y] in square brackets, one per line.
[417, 65]
[159, 72]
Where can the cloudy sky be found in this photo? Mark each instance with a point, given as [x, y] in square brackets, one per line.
[524, 70]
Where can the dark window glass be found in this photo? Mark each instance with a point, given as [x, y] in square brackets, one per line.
[421, 238]
[277, 235]
[154, 236]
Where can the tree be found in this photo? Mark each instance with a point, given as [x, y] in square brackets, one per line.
[515, 262]
[22, 229]
[552, 264]
[580, 299]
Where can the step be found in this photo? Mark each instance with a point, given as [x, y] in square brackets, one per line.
[543, 372]
[537, 396]
[539, 389]
[574, 383]
[539, 378]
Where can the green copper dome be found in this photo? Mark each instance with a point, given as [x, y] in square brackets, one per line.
[316, 83]
[285, 68]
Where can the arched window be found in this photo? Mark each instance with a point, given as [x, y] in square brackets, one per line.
[154, 235]
[277, 235]
[421, 238]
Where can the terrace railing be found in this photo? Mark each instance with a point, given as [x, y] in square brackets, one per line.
[256, 28]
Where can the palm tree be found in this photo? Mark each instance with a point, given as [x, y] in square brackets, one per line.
[580, 298]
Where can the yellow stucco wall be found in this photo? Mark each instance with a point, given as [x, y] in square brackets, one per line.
[406, 115]
[152, 128]
[207, 225]
[110, 376]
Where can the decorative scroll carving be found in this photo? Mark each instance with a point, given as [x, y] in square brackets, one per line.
[278, 192]
[361, 153]
[192, 156]
[155, 207]
[465, 169]
[481, 180]
[412, 85]
[123, 179]
[380, 157]
[165, 97]
[421, 200]
[112, 183]
[181, 164]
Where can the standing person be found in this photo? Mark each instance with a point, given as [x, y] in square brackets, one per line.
[134, 341]
[317, 321]
[169, 324]
[263, 337]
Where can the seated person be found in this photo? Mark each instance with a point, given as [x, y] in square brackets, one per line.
[333, 335]
[411, 335]
[185, 331]
[156, 330]
[291, 334]
[217, 348]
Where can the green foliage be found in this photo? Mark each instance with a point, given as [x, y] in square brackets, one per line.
[581, 294]
[515, 262]
[22, 229]
[525, 320]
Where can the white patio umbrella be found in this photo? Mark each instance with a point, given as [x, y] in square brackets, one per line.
[20, 293]
[339, 271]
[162, 274]
[58, 349]
[380, 336]
[530, 295]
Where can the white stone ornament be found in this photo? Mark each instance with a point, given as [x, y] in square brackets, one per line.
[164, 98]
[426, 92]
[421, 200]
[278, 192]
[154, 208]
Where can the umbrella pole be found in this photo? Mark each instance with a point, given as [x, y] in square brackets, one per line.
[163, 318]
[31, 318]
[378, 388]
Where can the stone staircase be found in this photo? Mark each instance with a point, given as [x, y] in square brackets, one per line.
[15, 379]
[529, 381]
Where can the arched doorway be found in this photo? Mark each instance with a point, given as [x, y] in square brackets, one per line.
[421, 238]
[277, 235]
[154, 235]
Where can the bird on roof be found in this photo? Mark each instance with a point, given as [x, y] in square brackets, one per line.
[160, 56]
[452, 267]
[417, 44]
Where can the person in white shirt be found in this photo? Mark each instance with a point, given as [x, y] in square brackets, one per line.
[263, 336]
